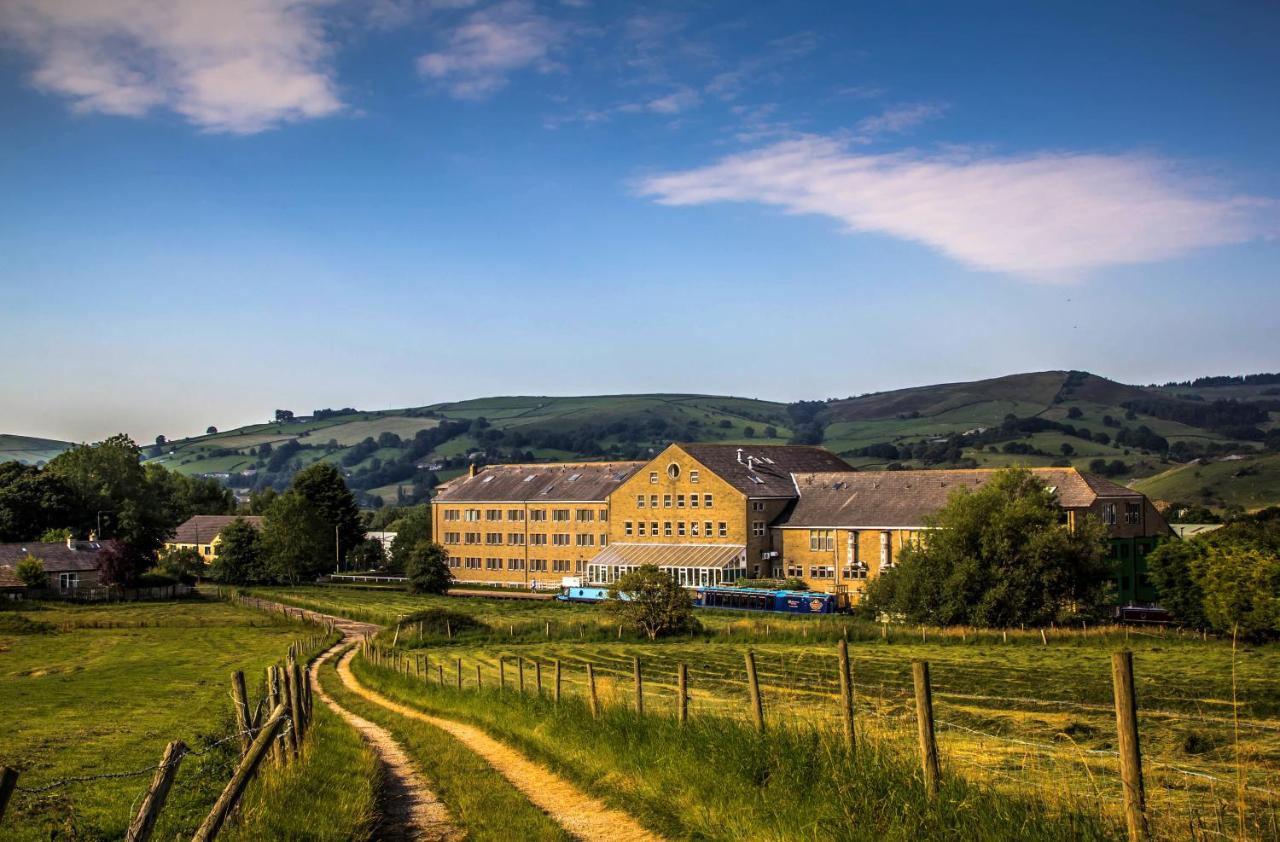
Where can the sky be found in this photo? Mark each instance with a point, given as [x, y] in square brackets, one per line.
[212, 210]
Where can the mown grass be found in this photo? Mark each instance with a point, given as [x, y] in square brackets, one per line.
[479, 799]
[717, 778]
[106, 690]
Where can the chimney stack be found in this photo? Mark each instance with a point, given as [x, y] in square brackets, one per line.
[472, 471]
[750, 460]
[739, 455]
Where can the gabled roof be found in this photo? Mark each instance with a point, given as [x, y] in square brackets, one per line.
[9, 579]
[560, 481]
[57, 557]
[770, 466]
[672, 555]
[202, 529]
[904, 499]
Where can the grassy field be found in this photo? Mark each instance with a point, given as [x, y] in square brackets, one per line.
[1249, 483]
[1022, 717]
[91, 690]
[28, 449]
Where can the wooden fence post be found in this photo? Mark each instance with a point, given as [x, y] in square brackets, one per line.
[153, 802]
[682, 690]
[1135, 801]
[502, 673]
[479, 683]
[286, 699]
[591, 691]
[440, 673]
[8, 783]
[557, 686]
[243, 774]
[924, 727]
[638, 678]
[273, 699]
[537, 676]
[459, 665]
[294, 676]
[846, 696]
[753, 686]
[521, 663]
[240, 701]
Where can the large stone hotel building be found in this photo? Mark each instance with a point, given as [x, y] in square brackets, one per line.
[714, 513]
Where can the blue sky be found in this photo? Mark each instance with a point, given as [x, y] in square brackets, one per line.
[208, 211]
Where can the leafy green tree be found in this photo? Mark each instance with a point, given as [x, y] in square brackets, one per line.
[998, 556]
[327, 492]
[31, 571]
[1241, 590]
[31, 501]
[367, 555]
[55, 536]
[240, 558]
[211, 431]
[427, 567]
[1170, 566]
[654, 602]
[413, 528]
[182, 563]
[297, 540]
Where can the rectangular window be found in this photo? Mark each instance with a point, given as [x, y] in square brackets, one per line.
[604, 539]
[707, 526]
[680, 527]
[67, 581]
[666, 501]
[693, 476]
[653, 529]
[492, 538]
[472, 538]
[757, 505]
[538, 514]
[452, 538]
[694, 529]
[604, 515]
[679, 501]
[586, 539]
[641, 527]
[515, 539]
[757, 528]
[473, 563]
[450, 514]
[706, 501]
[515, 564]
[560, 515]
[724, 529]
[538, 540]
[560, 539]
[493, 564]
[822, 540]
[1109, 514]
[666, 528]
[693, 501]
[493, 514]
[471, 515]
[653, 477]
[454, 561]
[653, 501]
[515, 514]
[538, 565]
[626, 527]
[561, 565]
[586, 515]
[1132, 513]
[639, 501]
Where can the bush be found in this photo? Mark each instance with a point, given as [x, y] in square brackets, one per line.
[428, 569]
[655, 603]
[31, 571]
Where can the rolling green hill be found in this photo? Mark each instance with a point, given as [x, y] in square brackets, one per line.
[31, 451]
[1151, 434]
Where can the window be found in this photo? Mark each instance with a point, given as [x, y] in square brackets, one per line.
[538, 540]
[515, 515]
[451, 514]
[822, 540]
[538, 565]
[1109, 514]
[67, 581]
[493, 514]
[515, 539]
[1132, 513]
[707, 526]
[795, 571]
[585, 515]
[472, 538]
[757, 505]
[561, 515]
[679, 501]
[653, 528]
[822, 573]
[693, 501]
[492, 538]
[724, 529]
[208, 550]
[515, 564]
[886, 550]
[471, 514]
[561, 565]
[626, 527]
[586, 539]
[452, 538]
[604, 515]
[639, 501]
[757, 528]
[673, 471]
[706, 501]
[653, 501]
[538, 514]
[641, 527]
[694, 529]
[454, 561]
[493, 564]
[472, 563]
[653, 477]
[693, 476]
[666, 501]
[680, 527]
[604, 539]
[666, 528]
[560, 539]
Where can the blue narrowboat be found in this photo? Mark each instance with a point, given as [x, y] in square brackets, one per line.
[759, 599]
[578, 594]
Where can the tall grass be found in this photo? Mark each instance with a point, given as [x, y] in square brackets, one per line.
[717, 778]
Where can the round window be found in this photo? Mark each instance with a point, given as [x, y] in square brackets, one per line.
[673, 470]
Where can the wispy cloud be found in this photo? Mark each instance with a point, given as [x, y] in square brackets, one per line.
[899, 118]
[237, 66]
[491, 44]
[1047, 216]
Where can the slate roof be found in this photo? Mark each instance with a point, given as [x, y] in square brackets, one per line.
[672, 555]
[560, 481]
[202, 529]
[904, 499]
[57, 557]
[771, 465]
[9, 579]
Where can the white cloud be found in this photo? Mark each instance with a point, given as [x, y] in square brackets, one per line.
[899, 119]
[1047, 216]
[238, 66]
[489, 45]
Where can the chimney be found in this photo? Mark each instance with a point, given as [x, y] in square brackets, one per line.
[739, 455]
[750, 460]
[472, 471]
[70, 543]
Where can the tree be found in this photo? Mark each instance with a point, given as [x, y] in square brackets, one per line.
[182, 563]
[55, 536]
[160, 441]
[411, 529]
[120, 564]
[297, 541]
[240, 560]
[999, 556]
[211, 430]
[31, 501]
[651, 601]
[1170, 568]
[367, 555]
[284, 415]
[427, 567]
[1241, 590]
[749, 432]
[1074, 412]
[1066, 449]
[771, 432]
[326, 490]
[31, 571]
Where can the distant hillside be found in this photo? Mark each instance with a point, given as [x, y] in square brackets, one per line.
[1150, 434]
[31, 451]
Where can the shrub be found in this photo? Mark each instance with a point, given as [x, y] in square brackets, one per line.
[655, 603]
[31, 571]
